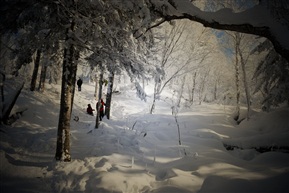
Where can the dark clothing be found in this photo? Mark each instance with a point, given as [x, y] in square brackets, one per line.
[101, 109]
[79, 83]
[89, 110]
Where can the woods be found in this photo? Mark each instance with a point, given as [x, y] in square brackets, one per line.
[130, 37]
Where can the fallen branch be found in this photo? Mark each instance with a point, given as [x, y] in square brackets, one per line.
[261, 149]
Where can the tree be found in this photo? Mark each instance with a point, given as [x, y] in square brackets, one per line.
[243, 62]
[100, 84]
[2, 80]
[109, 93]
[168, 53]
[67, 91]
[35, 70]
[272, 23]
[6, 106]
[43, 75]
[271, 76]
[237, 82]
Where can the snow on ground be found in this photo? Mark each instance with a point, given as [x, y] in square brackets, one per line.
[138, 152]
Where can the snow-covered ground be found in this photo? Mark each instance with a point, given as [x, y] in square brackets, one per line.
[138, 152]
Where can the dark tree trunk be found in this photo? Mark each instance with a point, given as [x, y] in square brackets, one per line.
[193, 89]
[246, 86]
[109, 94]
[99, 98]
[35, 70]
[75, 55]
[66, 101]
[237, 83]
[156, 91]
[96, 85]
[7, 109]
[2, 80]
[42, 78]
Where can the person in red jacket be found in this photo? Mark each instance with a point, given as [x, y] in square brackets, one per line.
[101, 109]
[89, 110]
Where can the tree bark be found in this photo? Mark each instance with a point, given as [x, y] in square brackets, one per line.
[181, 91]
[247, 92]
[193, 88]
[246, 87]
[42, 78]
[99, 98]
[8, 107]
[156, 86]
[35, 70]
[2, 80]
[96, 86]
[66, 101]
[237, 83]
[109, 94]
[202, 86]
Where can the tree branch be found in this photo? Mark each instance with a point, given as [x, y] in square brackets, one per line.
[187, 13]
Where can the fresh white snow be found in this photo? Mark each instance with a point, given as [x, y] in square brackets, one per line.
[138, 152]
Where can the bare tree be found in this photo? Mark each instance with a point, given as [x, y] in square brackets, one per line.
[239, 42]
[170, 47]
[202, 84]
[243, 61]
[242, 23]
[237, 83]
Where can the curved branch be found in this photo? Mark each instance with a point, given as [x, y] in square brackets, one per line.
[225, 19]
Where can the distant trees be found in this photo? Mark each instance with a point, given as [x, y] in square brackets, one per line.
[167, 53]
[234, 21]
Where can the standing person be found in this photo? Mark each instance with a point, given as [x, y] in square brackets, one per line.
[101, 109]
[79, 83]
[89, 110]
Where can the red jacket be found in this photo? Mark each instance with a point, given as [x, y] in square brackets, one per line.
[101, 108]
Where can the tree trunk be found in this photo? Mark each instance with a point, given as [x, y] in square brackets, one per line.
[247, 92]
[237, 83]
[202, 86]
[156, 92]
[73, 75]
[8, 107]
[2, 80]
[109, 94]
[216, 88]
[66, 101]
[96, 85]
[61, 123]
[194, 87]
[35, 70]
[99, 98]
[181, 92]
[42, 78]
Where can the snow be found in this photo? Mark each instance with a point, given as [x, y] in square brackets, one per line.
[258, 16]
[138, 152]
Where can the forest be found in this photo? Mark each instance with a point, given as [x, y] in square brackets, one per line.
[184, 55]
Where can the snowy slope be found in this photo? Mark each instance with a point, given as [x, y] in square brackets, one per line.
[138, 152]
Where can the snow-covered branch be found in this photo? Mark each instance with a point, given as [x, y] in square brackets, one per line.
[257, 20]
